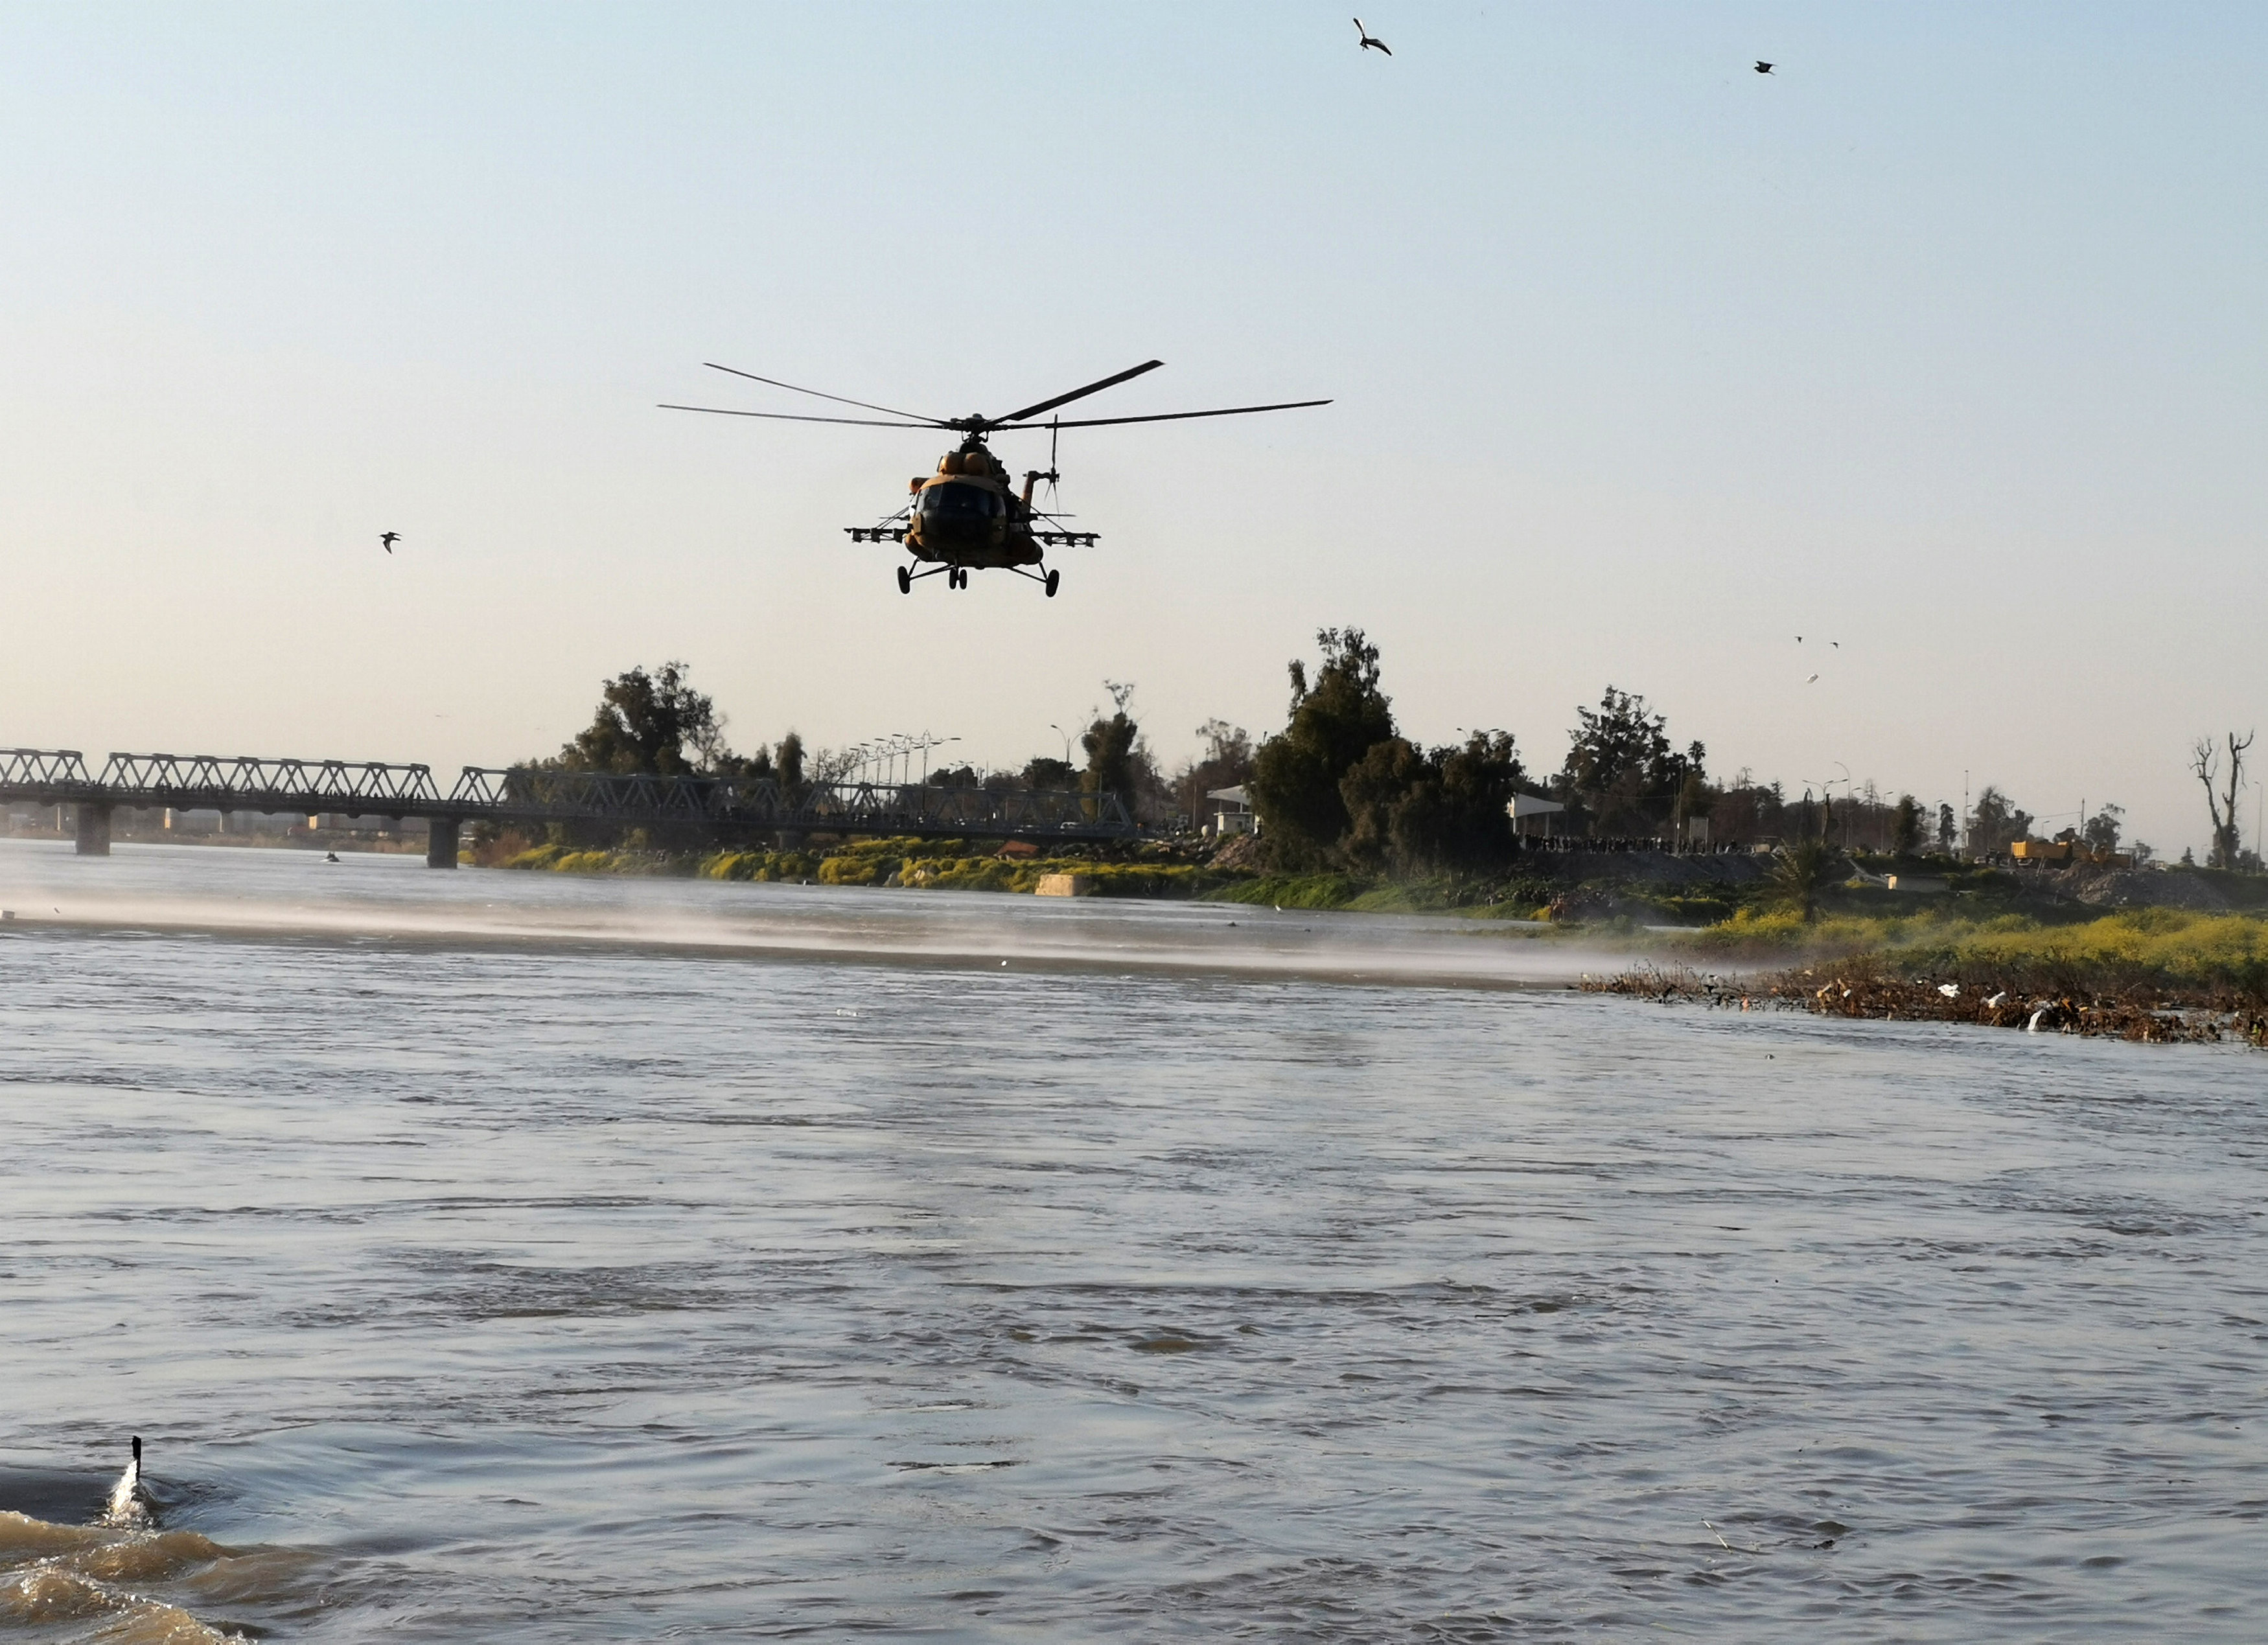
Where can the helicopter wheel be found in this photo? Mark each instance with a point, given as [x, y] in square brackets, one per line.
[905, 580]
[1054, 578]
[959, 578]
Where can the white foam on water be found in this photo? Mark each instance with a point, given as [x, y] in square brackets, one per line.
[170, 889]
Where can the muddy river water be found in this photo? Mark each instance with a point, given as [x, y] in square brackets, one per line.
[510, 1256]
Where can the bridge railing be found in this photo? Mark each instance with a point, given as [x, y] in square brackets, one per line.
[602, 796]
[43, 767]
[247, 782]
[538, 794]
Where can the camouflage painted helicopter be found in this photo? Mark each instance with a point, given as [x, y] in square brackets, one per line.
[966, 517]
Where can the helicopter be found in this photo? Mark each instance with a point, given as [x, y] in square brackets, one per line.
[968, 515]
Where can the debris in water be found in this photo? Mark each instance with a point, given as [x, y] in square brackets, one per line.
[2156, 1013]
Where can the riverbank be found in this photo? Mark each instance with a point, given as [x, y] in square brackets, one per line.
[1171, 873]
[2151, 975]
[911, 865]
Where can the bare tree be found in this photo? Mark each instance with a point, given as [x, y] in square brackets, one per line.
[2205, 759]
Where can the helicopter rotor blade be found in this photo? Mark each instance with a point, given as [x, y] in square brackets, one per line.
[736, 372]
[1077, 394]
[790, 417]
[1165, 416]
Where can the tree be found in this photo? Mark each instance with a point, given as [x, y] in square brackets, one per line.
[747, 769]
[2205, 761]
[1334, 725]
[1414, 812]
[1905, 827]
[1694, 800]
[791, 763]
[1470, 827]
[2103, 829]
[647, 723]
[1051, 773]
[1225, 763]
[1621, 768]
[1949, 828]
[1801, 871]
[1745, 809]
[1997, 822]
[1109, 746]
[1374, 792]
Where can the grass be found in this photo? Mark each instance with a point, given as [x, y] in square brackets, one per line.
[2163, 948]
[922, 864]
[1353, 893]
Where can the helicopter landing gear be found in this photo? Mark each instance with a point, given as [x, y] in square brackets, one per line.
[1054, 579]
[905, 580]
[958, 578]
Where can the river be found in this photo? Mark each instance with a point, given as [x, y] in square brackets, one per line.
[490, 1255]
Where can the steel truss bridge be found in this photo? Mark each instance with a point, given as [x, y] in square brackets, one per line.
[718, 806]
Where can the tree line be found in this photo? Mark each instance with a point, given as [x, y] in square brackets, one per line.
[1340, 787]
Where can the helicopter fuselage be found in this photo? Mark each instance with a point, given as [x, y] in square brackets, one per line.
[965, 515]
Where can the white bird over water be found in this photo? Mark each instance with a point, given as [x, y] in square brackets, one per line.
[131, 1503]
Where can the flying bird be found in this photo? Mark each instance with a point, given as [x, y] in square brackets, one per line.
[1763, 67]
[387, 540]
[1813, 680]
[1368, 42]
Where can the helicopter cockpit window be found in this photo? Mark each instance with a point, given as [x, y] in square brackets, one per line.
[961, 503]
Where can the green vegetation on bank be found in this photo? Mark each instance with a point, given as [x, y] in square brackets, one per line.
[1354, 893]
[920, 864]
[2165, 948]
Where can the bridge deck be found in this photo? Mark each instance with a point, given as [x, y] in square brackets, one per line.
[527, 794]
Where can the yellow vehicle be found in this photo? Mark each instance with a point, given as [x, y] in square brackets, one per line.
[967, 516]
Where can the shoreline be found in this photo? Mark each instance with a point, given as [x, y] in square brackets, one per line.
[1868, 988]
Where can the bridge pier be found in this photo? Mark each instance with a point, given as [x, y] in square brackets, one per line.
[441, 841]
[93, 830]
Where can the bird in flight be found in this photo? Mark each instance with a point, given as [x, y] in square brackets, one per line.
[1763, 67]
[1368, 42]
[1813, 680]
[387, 540]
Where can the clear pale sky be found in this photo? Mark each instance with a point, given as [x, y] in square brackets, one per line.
[1944, 342]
